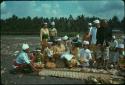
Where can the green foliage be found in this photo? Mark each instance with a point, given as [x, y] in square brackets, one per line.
[28, 25]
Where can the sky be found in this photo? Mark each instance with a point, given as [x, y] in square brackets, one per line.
[100, 8]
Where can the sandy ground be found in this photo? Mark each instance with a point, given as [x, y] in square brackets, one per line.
[10, 44]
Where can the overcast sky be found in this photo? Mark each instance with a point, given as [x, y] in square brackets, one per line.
[103, 9]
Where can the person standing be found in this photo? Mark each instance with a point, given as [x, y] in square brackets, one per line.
[94, 31]
[53, 31]
[114, 43]
[107, 32]
[113, 48]
[93, 34]
[44, 36]
[100, 34]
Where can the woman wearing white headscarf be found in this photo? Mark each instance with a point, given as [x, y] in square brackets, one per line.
[23, 61]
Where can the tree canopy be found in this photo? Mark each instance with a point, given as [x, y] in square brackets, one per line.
[30, 25]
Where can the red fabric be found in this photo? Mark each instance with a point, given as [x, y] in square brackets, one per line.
[32, 57]
[18, 65]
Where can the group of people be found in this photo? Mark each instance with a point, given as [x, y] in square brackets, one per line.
[94, 49]
[107, 50]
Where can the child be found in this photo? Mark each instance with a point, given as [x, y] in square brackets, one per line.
[106, 55]
[39, 59]
[119, 54]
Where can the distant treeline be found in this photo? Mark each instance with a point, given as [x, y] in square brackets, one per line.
[28, 25]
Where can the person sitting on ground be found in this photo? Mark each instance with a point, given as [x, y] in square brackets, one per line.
[49, 61]
[48, 52]
[39, 59]
[114, 43]
[85, 55]
[67, 43]
[23, 62]
[59, 49]
[69, 60]
[75, 49]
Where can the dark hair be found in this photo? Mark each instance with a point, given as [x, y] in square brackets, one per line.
[104, 23]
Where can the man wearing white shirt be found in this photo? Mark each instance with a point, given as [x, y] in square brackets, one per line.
[85, 55]
[23, 61]
[94, 32]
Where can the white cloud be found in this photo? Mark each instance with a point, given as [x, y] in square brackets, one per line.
[57, 5]
[46, 6]
[33, 3]
[3, 8]
[3, 5]
[62, 8]
[7, 15]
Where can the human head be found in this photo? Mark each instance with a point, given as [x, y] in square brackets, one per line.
[45, 24]
[50, 44]
[53, 23]
[104, 23]
[77, 36]
[97, 23]
[89, 24]
[59, 41]
[113, 37]
[65, 38]
[25, 47]
[85, 44]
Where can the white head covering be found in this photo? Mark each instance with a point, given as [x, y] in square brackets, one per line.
[25, 46]
[50, 43]
[85, 42]
[96, 21]
[90, 24]
[45, 23]
[77, 35]
[59, 39]
[121, 46]
[123, 36]
[65, 37]
[113, 37]
[53, 23]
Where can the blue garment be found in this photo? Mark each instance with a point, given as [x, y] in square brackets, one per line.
[116, 57]
[23, 58]
[93, 33]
